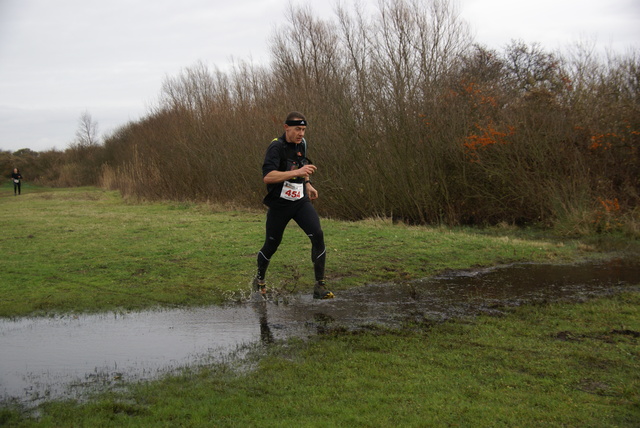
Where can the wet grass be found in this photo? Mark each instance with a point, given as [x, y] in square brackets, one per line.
[545, 365]
[87, 250]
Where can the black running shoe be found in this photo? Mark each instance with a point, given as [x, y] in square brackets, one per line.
[320, 291]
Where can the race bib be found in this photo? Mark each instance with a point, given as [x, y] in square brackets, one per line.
[292, 191]
[15, 180]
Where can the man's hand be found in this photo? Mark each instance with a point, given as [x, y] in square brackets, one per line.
[313, 193]
[306, 170]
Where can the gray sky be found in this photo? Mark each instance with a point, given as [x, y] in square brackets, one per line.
[61, 58]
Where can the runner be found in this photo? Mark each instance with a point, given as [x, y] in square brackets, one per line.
[286, 171]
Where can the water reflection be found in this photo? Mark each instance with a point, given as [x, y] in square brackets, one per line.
[266, 336]
[59, 357]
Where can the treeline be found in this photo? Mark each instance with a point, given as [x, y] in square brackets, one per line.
[408, 119]
[76, 166]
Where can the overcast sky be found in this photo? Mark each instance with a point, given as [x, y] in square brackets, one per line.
[61, 58]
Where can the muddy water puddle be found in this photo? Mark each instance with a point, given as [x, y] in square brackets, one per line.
[68, 356]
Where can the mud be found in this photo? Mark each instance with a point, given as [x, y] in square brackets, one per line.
[68, 356]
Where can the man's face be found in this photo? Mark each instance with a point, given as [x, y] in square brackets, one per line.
[294, 134]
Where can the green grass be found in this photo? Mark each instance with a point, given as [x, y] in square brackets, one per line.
[552, 365]
[76, 250]
[555, 364]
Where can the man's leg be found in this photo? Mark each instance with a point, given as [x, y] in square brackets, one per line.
[307, 218]
[276, 223]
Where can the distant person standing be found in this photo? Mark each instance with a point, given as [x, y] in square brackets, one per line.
[17, 180]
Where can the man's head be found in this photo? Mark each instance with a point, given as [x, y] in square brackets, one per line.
[294, 127]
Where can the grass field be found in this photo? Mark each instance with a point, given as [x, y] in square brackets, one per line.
[558, 364]
[88, 250]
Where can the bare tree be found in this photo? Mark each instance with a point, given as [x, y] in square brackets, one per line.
[87, 133]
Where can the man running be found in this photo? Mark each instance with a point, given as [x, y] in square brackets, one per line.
[286, 171]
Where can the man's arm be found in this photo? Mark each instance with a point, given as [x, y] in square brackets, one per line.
[275, 176]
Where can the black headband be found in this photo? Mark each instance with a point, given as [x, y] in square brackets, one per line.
[300, 122]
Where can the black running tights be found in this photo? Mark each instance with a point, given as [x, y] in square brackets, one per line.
[307, 218]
